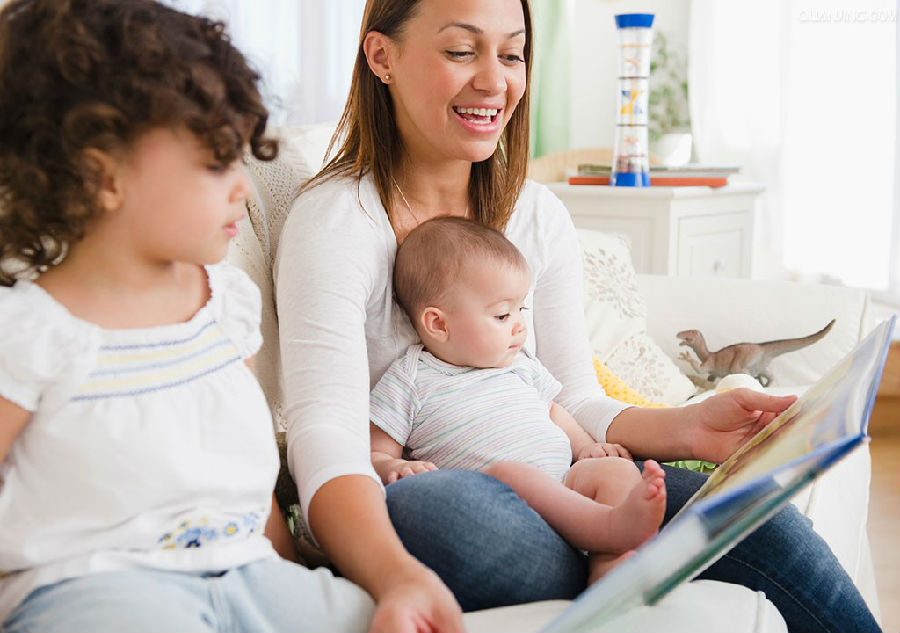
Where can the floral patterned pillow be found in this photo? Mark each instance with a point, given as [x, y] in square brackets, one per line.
[616, 318]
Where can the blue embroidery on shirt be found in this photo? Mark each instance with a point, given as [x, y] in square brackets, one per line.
[199, 532]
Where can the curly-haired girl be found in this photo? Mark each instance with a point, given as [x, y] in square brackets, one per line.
[137, 458]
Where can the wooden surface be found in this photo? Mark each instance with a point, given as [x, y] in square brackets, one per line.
[884, 504]
[884, 523]
[890, 379]
[886, 414]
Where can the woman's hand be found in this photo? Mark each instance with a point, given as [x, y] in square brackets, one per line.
[416, 602]
[721, 424]
[349, 518]
[603, 449]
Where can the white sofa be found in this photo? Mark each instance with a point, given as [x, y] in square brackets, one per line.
[725, 310]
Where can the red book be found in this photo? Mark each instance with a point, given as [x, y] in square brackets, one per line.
[658, 181]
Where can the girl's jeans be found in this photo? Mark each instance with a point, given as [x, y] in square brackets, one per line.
[266, 596]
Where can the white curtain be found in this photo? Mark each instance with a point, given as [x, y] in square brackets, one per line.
[803, 95]
[304, 49]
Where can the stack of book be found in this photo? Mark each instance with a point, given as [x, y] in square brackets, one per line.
[691, 175]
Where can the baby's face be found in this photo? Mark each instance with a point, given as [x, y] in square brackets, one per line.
[484, 315]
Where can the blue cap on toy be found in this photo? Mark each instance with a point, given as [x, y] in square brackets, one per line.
[640, 20]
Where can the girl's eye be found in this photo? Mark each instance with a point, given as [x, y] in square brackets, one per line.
[222, 168]
[513, 59]
[459, 54]
[503, 317]
[523, 308]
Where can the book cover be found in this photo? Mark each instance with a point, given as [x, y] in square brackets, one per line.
[824, 425]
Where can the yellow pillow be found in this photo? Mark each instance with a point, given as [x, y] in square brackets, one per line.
[617, 388]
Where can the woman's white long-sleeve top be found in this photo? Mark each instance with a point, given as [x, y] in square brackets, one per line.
[340, 328]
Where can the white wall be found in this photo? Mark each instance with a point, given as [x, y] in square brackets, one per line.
[595, 67]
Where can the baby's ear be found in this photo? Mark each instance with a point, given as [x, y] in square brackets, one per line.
[433, 324]
[103, 171]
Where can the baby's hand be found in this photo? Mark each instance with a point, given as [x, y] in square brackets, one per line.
[603, 449]
[400, 468]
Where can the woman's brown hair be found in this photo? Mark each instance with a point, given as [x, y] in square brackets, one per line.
[80, 75]
[370, 142]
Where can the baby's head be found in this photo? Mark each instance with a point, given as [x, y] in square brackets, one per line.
[463, 286]
[82, 79]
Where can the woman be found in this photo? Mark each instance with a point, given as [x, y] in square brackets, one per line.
[437, 123]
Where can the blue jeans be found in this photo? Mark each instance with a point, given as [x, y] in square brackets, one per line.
[266, 596]
[491, 549]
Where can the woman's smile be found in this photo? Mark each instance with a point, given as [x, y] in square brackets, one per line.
[479, 119]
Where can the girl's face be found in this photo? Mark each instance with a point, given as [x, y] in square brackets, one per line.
[178, 204]
[457, 74]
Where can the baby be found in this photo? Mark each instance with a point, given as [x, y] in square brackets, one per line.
[472, 397]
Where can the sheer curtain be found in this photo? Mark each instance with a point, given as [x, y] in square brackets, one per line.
[551, 75]
[803, 94]
[304, 49]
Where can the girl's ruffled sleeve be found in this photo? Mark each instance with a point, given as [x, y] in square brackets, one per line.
[238, 307]
[41, 348]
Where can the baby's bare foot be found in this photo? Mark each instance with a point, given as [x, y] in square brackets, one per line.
[637, 518]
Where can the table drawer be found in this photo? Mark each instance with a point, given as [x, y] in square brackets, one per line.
[714, 246]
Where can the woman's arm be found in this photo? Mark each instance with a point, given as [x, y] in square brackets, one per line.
[13, 419]
[554, 252]
[710, 430]
[325, 273]
[350, 518]
[658, 433]
[328, 266]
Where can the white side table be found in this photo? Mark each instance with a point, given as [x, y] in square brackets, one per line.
[690, 231]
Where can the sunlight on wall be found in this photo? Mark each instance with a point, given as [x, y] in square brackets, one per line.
[839, 132]
[802, 94]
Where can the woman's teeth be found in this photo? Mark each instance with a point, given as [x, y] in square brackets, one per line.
[478, 111]
[477, 115]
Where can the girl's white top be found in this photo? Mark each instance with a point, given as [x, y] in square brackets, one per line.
[340, 327]
[147, 448]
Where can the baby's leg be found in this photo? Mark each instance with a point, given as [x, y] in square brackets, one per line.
[577, 509]
[638, 504]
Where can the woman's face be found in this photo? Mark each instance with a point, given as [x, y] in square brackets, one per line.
[458, 72]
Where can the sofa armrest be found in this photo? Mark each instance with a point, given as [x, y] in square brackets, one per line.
[730, 311]
[735, 310]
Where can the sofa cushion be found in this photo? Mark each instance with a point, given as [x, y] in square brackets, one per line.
[616, 319]
[701, 605]
[275, 184]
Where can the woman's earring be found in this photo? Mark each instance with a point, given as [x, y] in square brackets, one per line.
[386, 78]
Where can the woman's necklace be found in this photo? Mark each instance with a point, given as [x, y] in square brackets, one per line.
[409, 206]
[406, 202]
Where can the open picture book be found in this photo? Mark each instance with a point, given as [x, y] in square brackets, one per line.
[825, 424]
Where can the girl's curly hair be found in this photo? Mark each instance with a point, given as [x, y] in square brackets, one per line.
[77, 75]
